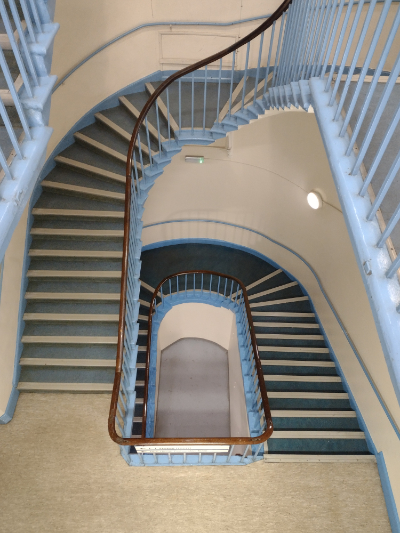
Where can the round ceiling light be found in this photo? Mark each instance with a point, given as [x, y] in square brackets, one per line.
[314, 200]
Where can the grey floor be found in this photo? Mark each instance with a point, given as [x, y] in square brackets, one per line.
[193, 399]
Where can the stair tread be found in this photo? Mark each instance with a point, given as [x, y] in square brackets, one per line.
[320, 379]
[83, 190]
[40, 211]
[298, 349]
[282, 314]
[310, 395]
[280, 413]
[302, 325]
[43, 361]
[280, 301]
[288, 336]
[70, 317]
[72, 296]
[163, 108]
[78, 232]
[135, 112]
[69, 339]
[78, 165]
[100, 146]
[95, 274]
[312, 434]
[286, 362]
[101, 254]
[274, 289]
[65, 387]
[120, 131]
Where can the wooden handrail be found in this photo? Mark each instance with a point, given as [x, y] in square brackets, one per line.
[213, 440]
[127, 215]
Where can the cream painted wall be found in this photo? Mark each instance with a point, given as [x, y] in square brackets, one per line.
[216, 324]
[85, 26]
[9, 308]
[262, 185]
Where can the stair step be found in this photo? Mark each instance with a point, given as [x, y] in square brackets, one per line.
[317, 379]
[285, 362]
[120, 131]
[310, 395]
[50, 339]
[312, 414]
[284, 336]
[99, 233]
[297, 349]
[281, 301]
[38, 211]
[271, 291]
[90, 254]
[285, 325]
[318, 458]
[31, 386]
[91, 274]
[61, 317]
[262, 280]
[89, 363]
[135, 113]
[106, 150]
[73, 296]
[86, 191]
[91, 170]
[317, 434]
[283, 314]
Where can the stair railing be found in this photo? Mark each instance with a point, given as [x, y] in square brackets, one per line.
[221, 290]
[275, 66]
[140, 177]
[24, 105]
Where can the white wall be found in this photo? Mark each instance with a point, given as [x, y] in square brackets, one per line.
[262, 186]
[216, 324]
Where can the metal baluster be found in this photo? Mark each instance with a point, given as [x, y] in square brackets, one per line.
[339, 46]
[245, 453]
[327, 32]
[257, 450]
[10, 131]
[271, 43]
[332, 39]
[379, 154]
[318, 38]
[219, 89]
[231, 88]
[15, 49]
[205, 99]
[36, 16]
[285, 46]
[141, 157]
[230, 453]
[169, 125]
[226, 281]
[296, 37]
[305, 36]
[28, 20]
[194, 284]
[312, 39]
[393, 268]
[202, 278]
[219, 281]
[180, 104]
[355, 58]
[158, 129]
[245, 75]
[23, 43]
[148, 140]
[192, 103]
[384, 188]
[367, 61]
[186, 285]
[346, 51]
[288, 42]
[278, 50]
[4, 165]
[210, 283]
[177, 285]
[390, 227]
[258, 68]
[162, 295]
[230, 295]
[170, 289]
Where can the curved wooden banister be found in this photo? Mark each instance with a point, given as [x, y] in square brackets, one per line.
[127, 216]
[213, 440]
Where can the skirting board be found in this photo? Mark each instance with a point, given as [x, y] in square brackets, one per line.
[11, 405]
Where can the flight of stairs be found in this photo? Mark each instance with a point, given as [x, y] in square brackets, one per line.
[72, 299]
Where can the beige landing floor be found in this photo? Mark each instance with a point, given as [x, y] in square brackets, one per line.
[60, 472]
